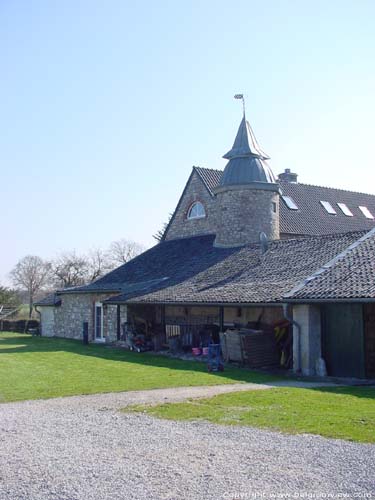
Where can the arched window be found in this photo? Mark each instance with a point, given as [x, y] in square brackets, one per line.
[196, 211]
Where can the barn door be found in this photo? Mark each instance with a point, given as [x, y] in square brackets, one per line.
[343, 343]
[369, 313]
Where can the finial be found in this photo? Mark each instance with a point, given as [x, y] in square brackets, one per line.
[240, 96]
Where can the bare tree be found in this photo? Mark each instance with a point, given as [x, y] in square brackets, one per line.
[121, 251]
[159, 235]
[31, 273]
[70, 269]
[98, 264]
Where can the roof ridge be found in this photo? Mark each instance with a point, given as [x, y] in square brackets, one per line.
[295, 183]
[331, 263]
[283, 183]
[208, 168]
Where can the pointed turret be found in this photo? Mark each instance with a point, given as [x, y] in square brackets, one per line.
[247, 162]
[245, 143]
[248, 195]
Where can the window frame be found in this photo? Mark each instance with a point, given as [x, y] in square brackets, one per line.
[366, 212]
[191, 207]
[289, 202]
[328, 207]
[345, 209]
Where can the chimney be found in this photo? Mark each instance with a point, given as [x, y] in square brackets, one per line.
[288, 176]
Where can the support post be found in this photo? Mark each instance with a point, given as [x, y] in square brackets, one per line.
[221, 319]
[85, 332]
[118, 322]
[163, 323]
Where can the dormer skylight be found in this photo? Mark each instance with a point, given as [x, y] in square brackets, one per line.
[345, 210]
[366, 212]
[289, 202]
[328, 207]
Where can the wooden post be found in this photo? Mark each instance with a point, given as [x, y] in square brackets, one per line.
[163, 323]
[118, 322]
[221, 318]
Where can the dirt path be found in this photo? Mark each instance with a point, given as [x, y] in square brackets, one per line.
[115, 400]
[83, 448]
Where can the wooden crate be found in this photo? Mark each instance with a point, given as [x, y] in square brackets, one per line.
[259, 349]
[253, 348]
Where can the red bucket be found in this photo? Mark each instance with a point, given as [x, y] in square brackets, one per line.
[196, 351]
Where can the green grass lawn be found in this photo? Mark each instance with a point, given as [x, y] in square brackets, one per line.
[35, 367]
[336, 412]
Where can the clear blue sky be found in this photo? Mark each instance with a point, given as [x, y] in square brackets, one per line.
[106, 105]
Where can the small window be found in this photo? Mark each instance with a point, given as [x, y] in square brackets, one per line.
[196, 211]
[345, 210]
[366, 212]
[328, 207]
[274, 207]
[290, 202]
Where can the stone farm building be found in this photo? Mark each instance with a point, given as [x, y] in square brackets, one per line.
[250, 252]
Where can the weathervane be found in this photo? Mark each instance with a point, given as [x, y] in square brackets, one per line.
[240, 96]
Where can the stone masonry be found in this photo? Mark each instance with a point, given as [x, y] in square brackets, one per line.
[181, 226]
[236, 215]
[79, 307]
[243, 213]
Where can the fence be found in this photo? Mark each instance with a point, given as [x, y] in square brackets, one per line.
[19, 326]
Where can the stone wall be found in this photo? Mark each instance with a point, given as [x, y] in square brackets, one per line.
[77, 308]
[47, 321]
[110, 322]
[243, 213]
[180, 226]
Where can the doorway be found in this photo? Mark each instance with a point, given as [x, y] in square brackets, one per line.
[99, 337]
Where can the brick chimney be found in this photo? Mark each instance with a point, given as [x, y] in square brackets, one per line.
[288, 176]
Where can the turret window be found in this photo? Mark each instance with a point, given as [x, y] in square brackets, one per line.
[196, 211]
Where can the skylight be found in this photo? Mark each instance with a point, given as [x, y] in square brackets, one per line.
[366, 212]
[345, 210]
[328, 207]
[290, 202]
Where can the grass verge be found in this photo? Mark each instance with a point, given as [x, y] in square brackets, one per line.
[334, 412]
[35, 367]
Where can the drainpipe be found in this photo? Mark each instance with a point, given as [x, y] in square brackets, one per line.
[298, 326]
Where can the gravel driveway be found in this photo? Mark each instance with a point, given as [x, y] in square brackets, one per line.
[84, 448]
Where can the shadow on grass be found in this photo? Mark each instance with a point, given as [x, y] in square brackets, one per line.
[367, 392]
[11, 343]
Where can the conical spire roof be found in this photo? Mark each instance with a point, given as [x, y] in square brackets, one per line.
[247, 162]
[245, 143]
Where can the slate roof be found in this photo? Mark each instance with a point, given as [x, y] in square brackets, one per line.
[311, 218]
[247, 163]
[351, 275]
[210, 177]
[50, 300]
[192, 271]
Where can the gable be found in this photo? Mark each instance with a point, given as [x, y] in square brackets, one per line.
[311, 218]
[180, 226]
